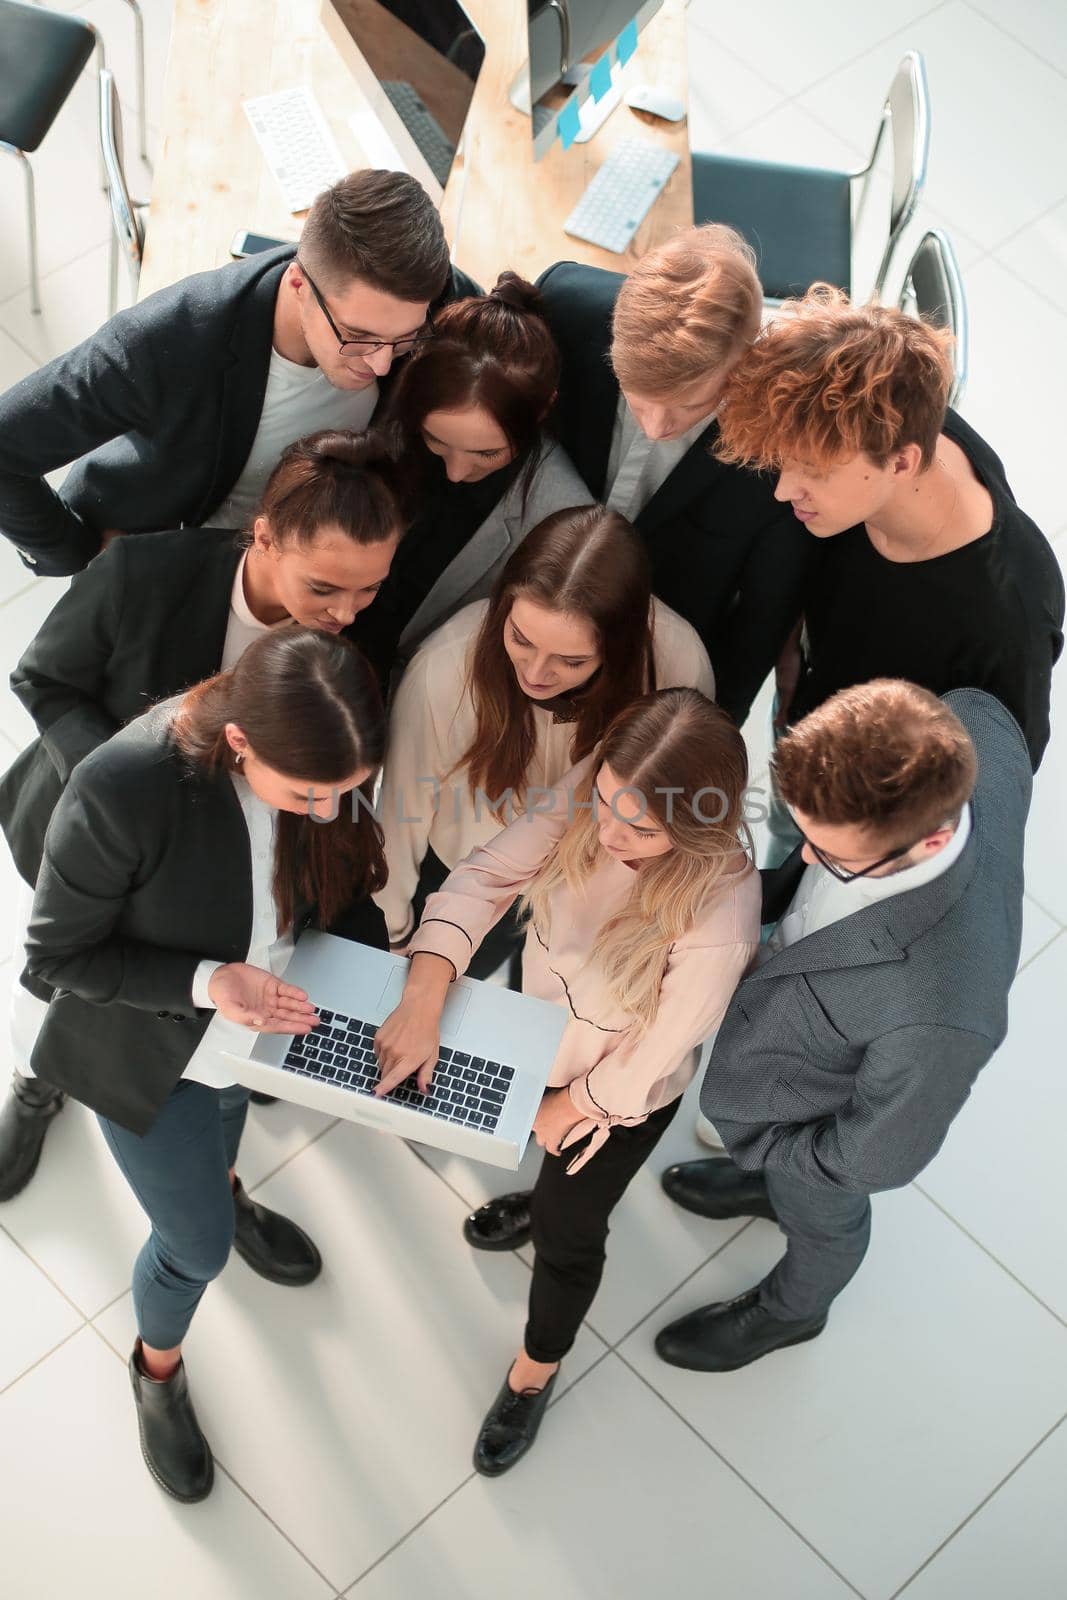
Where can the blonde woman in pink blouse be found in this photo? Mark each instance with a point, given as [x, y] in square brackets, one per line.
[644, 912]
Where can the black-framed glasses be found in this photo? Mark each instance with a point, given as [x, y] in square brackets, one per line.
[369, 347]
[843, 876]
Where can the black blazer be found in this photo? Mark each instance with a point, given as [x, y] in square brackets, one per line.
[163, 402]
[725, 554]
[146, 619]
[147, 871]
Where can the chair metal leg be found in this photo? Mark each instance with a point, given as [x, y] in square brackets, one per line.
[101, 63]
[142, 117]
[31, 229]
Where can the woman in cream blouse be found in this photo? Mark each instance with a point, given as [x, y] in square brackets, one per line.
[645, 913]
[500, 702]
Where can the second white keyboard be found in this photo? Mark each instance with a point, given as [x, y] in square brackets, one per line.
[297, 143]
[620, 196]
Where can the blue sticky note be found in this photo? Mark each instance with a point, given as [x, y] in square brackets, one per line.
[569, 123]
[600, 78]
[626, 43]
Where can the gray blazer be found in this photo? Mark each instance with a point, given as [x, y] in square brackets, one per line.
[844, 1058]
[556, 485]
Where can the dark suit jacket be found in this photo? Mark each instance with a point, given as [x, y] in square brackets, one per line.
[163, 403]
[147, 871]
[146, 619]
[843, 1059]
[725, 554]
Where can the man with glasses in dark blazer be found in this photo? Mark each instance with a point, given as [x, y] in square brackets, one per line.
[645, 359]
[845, 1055]
[180, 406]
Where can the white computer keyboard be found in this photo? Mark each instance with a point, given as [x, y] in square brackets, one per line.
[617, 200]
[297, 143]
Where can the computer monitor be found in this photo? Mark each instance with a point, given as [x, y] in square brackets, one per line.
[578, 50]
[416, 63]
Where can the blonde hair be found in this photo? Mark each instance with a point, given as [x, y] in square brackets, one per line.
[688, 308]
[674, 744]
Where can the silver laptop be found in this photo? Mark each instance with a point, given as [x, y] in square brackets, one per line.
[496, 1051]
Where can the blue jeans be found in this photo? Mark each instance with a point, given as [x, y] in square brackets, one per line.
[179, 1172]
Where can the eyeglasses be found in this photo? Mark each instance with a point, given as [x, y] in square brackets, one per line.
[368, 347]
[841, 874]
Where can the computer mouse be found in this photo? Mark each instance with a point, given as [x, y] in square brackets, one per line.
[657, 102]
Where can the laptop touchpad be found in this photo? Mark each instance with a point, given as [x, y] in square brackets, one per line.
[456, 1003]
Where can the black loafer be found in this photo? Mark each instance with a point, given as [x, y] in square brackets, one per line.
[259, 1099]
[501, 1224]
[24, 1118]
[730, 1334]
[510, 1427]
[272, 1245]
[174, 1449]
[716, 1188]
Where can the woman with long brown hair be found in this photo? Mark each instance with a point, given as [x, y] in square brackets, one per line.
[152, 615]
[507, 696]
[644, 913]
[469, 411]
[183, 858]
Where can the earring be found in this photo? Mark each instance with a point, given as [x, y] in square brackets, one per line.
[238, 758]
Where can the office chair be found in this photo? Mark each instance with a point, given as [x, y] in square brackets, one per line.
[933, 290]
[44, 54]
[142, 119]
[799, 219]
[127, 215]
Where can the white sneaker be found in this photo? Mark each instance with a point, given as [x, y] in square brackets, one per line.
[707, 1132]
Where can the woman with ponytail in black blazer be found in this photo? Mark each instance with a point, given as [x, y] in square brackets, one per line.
[183, 859]
[149, 617]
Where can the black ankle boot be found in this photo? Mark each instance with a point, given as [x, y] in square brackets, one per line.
[174, 1449]
[501, 1224]
[510, 1427]
[29, 1108]
[272, 1245]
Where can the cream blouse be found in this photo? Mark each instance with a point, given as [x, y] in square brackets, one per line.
[613, 1073]
[431, 724]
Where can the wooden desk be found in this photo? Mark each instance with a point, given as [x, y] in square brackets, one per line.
[500, 209]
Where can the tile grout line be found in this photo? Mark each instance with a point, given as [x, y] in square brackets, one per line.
[986, 1251]
[45, 1273]
[1040, 952]
[1037, 217]
[293, 1154]
[43, 1358]
[61, 267]
[1015, 39]
[979, 1507]
[875, 44]
[782, 1518]
[1033, 288]
[677, 1288]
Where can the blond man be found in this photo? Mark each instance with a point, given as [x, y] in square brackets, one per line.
[645, 359]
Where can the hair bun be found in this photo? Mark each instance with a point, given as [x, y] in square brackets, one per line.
[346, 448]
[517, 294]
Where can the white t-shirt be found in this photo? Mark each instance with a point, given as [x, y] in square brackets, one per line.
[242, 628]
[821, 898]
[298, 400]
[639, 466]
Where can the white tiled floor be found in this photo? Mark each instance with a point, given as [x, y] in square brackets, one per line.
[918, 1446]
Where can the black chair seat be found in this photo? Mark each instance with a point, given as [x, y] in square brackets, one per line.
[42, 55]
[797, 219]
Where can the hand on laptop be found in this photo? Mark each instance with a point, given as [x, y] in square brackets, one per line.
[257, 999]
[409, 1039]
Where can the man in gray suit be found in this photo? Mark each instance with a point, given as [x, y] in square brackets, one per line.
[882, 992]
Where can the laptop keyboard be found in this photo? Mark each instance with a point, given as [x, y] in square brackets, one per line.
[467, 1090]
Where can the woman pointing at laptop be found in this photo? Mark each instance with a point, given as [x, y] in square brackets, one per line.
[184, 857]
[644, 913]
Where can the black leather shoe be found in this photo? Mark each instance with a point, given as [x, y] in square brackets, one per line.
[174, 1449]
[24, 1118]
[501, 1224]
[510, 1427]
[730, 1334]
[716, 1188]
[272, 1245]
[259, 1099]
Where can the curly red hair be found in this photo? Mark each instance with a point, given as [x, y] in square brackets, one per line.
[830, 379]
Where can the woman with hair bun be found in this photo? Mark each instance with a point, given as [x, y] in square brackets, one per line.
[469, 411]
[644, 912]
[508, 695]
[151, 615]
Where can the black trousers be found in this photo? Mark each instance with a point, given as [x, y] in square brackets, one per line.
[569, 1223]
[501, 943]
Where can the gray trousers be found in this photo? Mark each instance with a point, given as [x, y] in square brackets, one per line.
[827, 1232]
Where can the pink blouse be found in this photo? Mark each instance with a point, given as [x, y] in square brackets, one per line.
[614, 1074]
